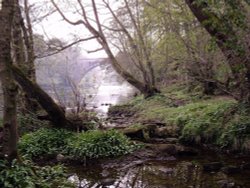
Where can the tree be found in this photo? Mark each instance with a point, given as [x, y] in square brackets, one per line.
[184, 51]
[33, 90]
[10, 135]
[230, 30]
[133, 37]
[97, 30]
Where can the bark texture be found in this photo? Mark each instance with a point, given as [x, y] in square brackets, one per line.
[10, 134]
[229, 42]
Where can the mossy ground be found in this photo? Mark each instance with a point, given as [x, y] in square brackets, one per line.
[196, 119]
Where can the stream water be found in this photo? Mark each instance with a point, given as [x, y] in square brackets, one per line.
[170, 172]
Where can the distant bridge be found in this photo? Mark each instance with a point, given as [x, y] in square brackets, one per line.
[93, 63]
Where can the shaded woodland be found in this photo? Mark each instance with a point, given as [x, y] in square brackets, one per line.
[175, 53]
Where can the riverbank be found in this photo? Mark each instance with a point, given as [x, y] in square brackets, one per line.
[170, 137]
[179, 116]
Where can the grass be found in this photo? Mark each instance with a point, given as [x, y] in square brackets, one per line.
[197, 119]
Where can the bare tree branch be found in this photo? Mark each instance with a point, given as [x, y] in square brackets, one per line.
[96, 50]
[67, 46]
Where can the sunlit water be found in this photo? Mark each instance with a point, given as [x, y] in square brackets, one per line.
[108, 91]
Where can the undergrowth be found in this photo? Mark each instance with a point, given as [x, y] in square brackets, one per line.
[98, 144]
[28, 175]
[198, 119]
[90, 144]
[44, 142]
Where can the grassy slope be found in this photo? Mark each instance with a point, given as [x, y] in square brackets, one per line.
[195, 119]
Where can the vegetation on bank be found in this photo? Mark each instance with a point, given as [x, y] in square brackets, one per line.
[46, 143]
[29, 175]
[193, 118]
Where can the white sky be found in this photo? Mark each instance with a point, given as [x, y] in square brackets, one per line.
[54, 26]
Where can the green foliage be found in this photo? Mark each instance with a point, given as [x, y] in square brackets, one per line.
[227, 125]
[27, 175]
[98, 144]
[217, 120]
[29, 123]
[237, 130]
[91, 144]
[203, 122]
[44, 142]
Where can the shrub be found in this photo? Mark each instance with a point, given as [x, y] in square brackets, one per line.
[205, 123]
[236, 132]
[27, 175]
[98, 144]
[44, 142]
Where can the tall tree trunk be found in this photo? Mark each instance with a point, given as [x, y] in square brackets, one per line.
[10, 135]
[229, 43]
[24, 53]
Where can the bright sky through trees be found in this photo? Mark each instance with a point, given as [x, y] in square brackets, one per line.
[55, 26]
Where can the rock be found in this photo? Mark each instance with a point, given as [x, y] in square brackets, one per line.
[153, 122]
[105, 173]
[166, 131]
[133, 164]
[107, 182]
[225, 184]
[141, 132]
[186, 151]
[75, 180]
[212, 167]
[174, 149]
[245, 166]
[60, 158]
[164, 140]
[172, 140]
[230, 169]
[166, 170]
[167, 148]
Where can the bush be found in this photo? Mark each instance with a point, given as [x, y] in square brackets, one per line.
[27, 175]
[44, 142]
[98, 144]
[205, 123]
[237, 131]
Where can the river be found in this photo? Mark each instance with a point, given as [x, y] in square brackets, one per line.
[157, 172]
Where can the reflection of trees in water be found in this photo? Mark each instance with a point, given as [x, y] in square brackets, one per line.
[179, 175]
[187, 174]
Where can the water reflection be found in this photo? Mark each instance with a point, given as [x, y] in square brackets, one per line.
[155, 174]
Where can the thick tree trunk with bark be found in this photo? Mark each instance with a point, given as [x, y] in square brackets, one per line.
[24, 53]
[229, 43]
[10, 135]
